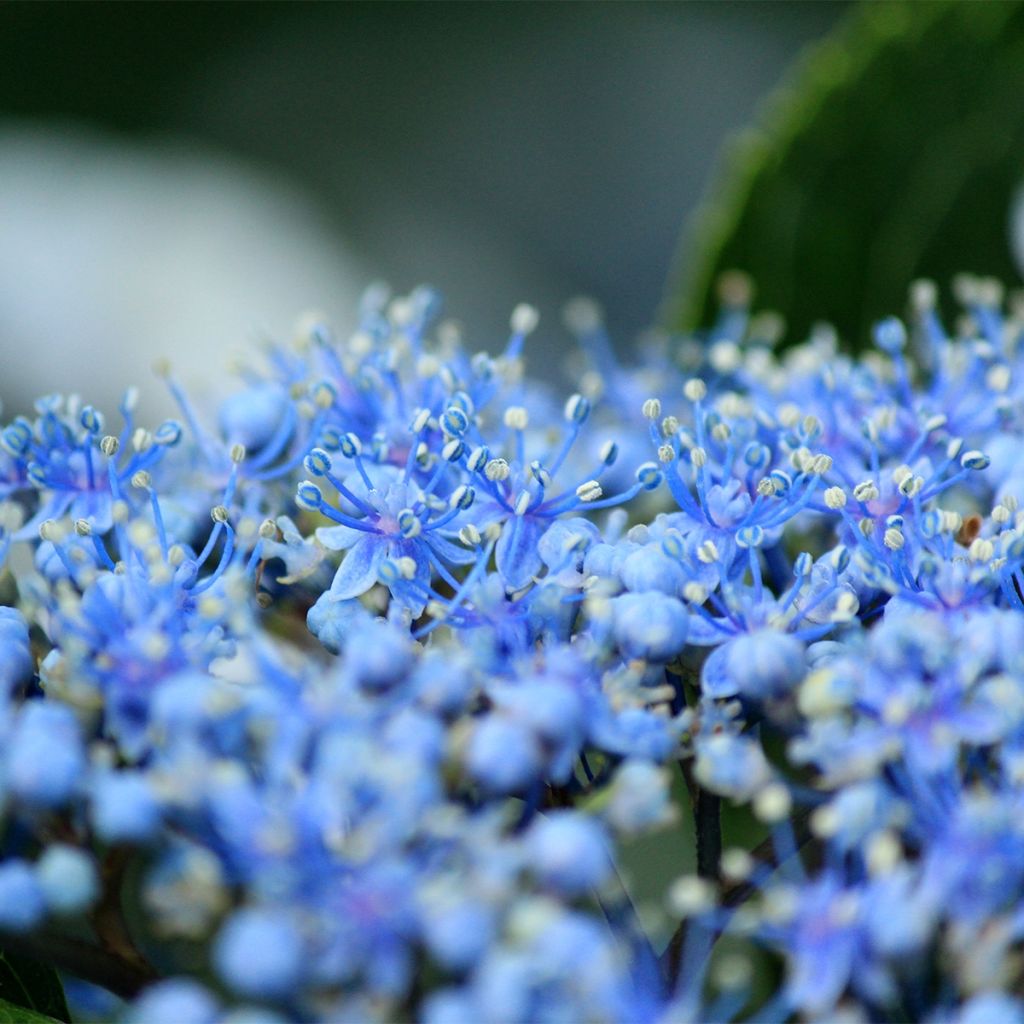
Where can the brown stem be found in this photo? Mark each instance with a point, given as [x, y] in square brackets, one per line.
[108, 918]
[85, 961]
[707, 818]
[557, 796]
[734, 895]
[764, 853]
[708, 828]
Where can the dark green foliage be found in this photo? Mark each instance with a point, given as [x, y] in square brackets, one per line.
[893, 153]
[11, 1014]
[30, 990]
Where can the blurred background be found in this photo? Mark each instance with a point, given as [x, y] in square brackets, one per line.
[182, 179]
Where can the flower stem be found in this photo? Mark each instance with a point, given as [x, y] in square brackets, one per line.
[90, 963]
[707, 810]
[708, 829]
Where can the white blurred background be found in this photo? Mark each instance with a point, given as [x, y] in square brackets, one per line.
[179, 180]
[116, 253]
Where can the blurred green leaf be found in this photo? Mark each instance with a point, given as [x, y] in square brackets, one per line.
[30, 990]
[650, 863]
[12, 1014]
[893, 153]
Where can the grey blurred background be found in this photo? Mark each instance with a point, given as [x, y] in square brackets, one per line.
[180, 179]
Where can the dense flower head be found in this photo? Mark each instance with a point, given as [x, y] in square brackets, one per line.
[376, 673]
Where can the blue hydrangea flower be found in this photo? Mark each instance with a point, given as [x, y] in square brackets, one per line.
[528, 640]
[259, 953]
[22, 900]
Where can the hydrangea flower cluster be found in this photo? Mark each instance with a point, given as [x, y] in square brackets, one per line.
[349, 701]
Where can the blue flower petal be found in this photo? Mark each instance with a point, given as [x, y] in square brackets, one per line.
[411, 594]
[53, 509]
[715, 680]
[652, 626]
[703, 634]
[95, 506]
[448, 551]
[338, 538]
[552, 545]
[358, 572]
[516, 554]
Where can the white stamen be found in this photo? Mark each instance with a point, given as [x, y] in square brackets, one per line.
[690, 895]
[469, 535]
[462, 497]
[409, 523]
[524, 319]
[801, 459]
[884, 852]
[911, 486]
[582, 315]
[788, 414]
[846, 607]
[497, 470]
[981, 550]
[323, 395]
[452, 450]
[142, 440]
[406, 567]
[49, 530]
[477, 459]
[951, 521]
[998, 378]
[811, 426]
[893, 539]
[576, 407]
[865, 491]
[651, 409]
[695, 390]
[773, 803]
[835, 498]
[516, 417]
[737, 864]
[901, 473]
[708, 552]
[725, 356]
[923, 295]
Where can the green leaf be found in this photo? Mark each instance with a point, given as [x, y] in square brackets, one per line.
[649, 863]
[13, 1014]
[893, 153]
[30, 988]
